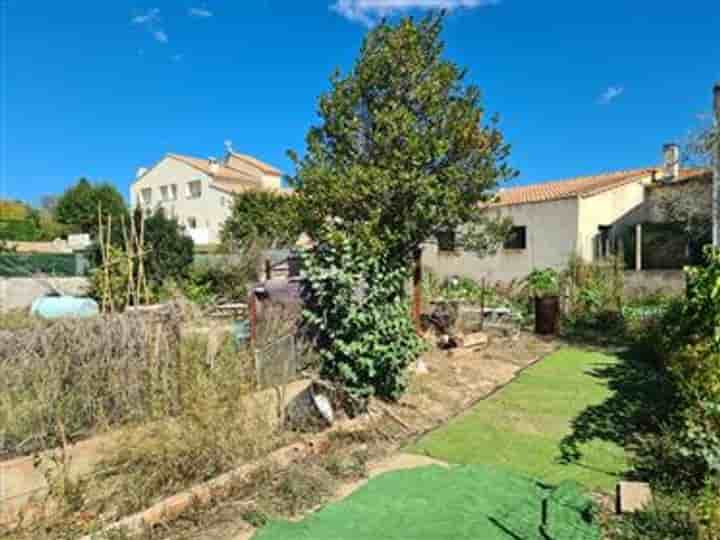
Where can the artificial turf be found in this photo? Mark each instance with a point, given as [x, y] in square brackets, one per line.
[561, 419]
[461, 503]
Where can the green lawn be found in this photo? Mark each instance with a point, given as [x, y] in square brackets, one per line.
[565, 418]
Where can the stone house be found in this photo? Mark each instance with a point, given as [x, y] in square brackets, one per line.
[552, 221]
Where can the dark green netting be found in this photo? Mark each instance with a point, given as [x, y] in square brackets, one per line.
[31, 264]
[465, 502]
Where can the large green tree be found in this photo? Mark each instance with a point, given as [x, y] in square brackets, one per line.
[401, 154]
[402, 151]
[77, 207]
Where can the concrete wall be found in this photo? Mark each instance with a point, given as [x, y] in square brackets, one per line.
[19, 293]
[654, 281]
[551, 238]
[209, 210]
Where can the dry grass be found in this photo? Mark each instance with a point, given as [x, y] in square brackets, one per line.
[211, 433]
[82, 376]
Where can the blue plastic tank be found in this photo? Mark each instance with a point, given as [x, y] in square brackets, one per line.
[57, 307]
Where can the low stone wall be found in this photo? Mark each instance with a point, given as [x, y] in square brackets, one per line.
[20, 293]
[643, 282]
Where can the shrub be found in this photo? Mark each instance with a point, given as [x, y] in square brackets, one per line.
[357, 311]
[543, 282]
[668, 518]
[224, 278]
[169, 250]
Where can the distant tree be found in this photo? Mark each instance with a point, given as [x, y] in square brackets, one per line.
[78, 206]
[266, 217]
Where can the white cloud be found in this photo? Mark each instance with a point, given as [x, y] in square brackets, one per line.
[610, 95]
[160, 35]
[368, 11]
[152, 16]
[200, 12]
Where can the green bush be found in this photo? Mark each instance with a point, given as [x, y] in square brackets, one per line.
[222, 280]
[357, 312]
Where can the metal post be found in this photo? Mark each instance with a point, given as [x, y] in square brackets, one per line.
[716, 163]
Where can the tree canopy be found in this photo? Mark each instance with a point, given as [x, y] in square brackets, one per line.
[269, 217]
[401, 151]
[78, 205]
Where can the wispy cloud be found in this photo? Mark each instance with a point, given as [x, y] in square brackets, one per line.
[177, 57]
[161, 36]
[610, 95]
[150, 17]
[368, 12]
[201, 12]
[150, 20]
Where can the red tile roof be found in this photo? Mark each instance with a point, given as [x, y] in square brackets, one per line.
[582, 186]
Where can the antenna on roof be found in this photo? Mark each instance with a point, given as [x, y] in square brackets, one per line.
[228, 145]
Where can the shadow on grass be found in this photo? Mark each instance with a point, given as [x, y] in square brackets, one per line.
[639, 401]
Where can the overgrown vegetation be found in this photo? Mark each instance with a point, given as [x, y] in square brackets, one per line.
[81, 376]
[357, 314]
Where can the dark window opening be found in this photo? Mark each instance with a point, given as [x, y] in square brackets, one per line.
[517, 239]
[446, 241]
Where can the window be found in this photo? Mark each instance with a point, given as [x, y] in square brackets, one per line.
[164, 193]
[173, 192]
[192, 223]
[146, 196]
[517, 239]
[222, 201]
[446, 241]
[194, 189]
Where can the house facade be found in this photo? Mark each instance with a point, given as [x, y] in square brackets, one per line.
[199, 192]
[553, 221]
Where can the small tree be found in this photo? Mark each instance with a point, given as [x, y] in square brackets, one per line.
[400, 155]
[169, 251]
[266, 216]
[78, 206]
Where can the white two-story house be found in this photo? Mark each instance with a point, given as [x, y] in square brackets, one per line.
[199, 192]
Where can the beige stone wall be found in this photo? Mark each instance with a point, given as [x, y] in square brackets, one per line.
[552, 229]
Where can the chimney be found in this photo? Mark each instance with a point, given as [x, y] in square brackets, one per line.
[140, 172]
[214, 166]
[671, 161]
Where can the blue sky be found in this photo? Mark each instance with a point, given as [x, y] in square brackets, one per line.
[99, 89]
